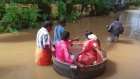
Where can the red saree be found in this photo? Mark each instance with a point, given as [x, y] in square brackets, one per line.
[89, 54]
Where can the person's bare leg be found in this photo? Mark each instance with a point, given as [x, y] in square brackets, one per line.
[116, 38]
[110, 39]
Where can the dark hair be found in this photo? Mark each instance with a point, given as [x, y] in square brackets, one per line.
[116, 18]
[88, 33]
[63, 21]
[47, 24]
[65, 35]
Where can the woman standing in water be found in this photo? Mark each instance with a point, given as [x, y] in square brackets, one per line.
[91, 50]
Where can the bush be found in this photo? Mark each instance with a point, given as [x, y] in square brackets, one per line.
[2, 9]
[61, 9]
[18, 17]
[101, 6]
[63, 14]
[136, 2]
[84, 1]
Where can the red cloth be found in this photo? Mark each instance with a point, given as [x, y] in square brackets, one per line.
[42, 57]
[89, 54]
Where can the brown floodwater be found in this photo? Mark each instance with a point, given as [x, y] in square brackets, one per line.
[17, 52]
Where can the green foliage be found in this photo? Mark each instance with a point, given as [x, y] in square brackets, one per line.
[72, 17]
[44, 16]
[79, 1]
[37, 1]
[14, 31]
[30, 1]
[62, 13]
[101, 6]
[136, 2]
[2, 9]
[61, 9]
[53, 16]
[18, 17]
[83, 1]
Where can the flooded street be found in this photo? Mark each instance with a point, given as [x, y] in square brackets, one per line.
[17, 52]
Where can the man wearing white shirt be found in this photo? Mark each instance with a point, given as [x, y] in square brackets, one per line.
[44, 44]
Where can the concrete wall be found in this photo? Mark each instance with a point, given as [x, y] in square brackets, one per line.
[118, 7]
[82, 9]
[26, 5]
[54, 9]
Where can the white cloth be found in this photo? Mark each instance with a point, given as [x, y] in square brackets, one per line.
[92, 37]
[43, 38]
[112, 39]
[72, 57]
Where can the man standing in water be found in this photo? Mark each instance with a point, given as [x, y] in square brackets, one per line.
[44, 44]
[115, 29]
[59, 30]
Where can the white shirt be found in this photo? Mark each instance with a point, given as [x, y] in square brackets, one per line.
[43, 38]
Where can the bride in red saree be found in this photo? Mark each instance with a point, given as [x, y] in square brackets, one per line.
[91, 51]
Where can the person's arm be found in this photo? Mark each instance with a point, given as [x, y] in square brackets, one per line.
[46, 43]
[109, 28]
[97, 48]
[53, 46]
[69, 41]
[122, 27]
[74, 39]
[67, 55]
[98, 42]
[48, 49]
